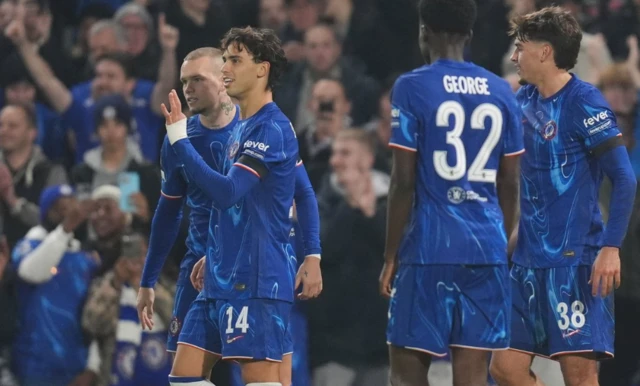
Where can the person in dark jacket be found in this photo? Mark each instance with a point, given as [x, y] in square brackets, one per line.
[347, 323]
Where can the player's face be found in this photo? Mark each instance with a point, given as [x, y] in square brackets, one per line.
[110, 79]
[241, 73]
[107, 218]
[527, 58]
[112, 133]
[202, 83]
[15, 133]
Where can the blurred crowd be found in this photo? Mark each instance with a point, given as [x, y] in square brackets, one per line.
[81, 83]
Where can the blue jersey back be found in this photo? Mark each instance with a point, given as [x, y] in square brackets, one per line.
[461, 120]
[210, 144]
[249, 253]
[50, 345]
[560, 221]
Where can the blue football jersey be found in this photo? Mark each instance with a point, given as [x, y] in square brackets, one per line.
[50, 345]
[210, 144]
[560, 221]
[249, 253]
[461, 120]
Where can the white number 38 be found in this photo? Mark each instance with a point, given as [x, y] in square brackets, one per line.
[575, 319]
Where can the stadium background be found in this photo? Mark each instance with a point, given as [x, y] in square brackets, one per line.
[344, 56]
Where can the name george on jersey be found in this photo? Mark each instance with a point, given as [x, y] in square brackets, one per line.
[466, 85]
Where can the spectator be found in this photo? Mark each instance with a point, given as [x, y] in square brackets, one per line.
[353, 213]
[138, 25]
[107, 224]
[382, 128]
[323, 60]
[104, 37]
[330, 108]
[89, 16]
[113, 75]
[201, 24]
[54, 276]
[302, 15]
[36, 18]
[128, 354]
[19, 88]
[272, 14]
[117, 154]
[9, 316]
[24, 171]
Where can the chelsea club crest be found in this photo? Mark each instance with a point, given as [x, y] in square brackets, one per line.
[174, 327]
[233, 149]
[549, 130]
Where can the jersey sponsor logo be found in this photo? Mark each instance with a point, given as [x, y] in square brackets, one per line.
[255, 145]
[457, 195]
[600, 117]
[549, 130]
[233, 150]
[154, 353]
[174, 326]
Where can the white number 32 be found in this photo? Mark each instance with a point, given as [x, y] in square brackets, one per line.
[577, 318]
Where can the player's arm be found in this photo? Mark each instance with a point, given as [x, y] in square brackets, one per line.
[597, 127]
[308, 215]
[166, 220]
[508, 179]
[613, 158]
[404, 126]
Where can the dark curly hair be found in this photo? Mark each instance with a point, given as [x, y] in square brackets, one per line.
[263, 44]
[555, 26]
[448, 16]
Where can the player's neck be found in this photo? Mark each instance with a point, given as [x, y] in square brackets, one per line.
[254, 101]
[550, 84]
[447, 49]
[221, 116]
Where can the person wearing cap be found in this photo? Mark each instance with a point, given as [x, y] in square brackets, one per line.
[24, 170]
[54, 275]
[114, 74]
[118, 154]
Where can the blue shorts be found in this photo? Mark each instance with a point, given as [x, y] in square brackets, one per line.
[437, 306]
[554, 313]
[238, 329]
[185, 295]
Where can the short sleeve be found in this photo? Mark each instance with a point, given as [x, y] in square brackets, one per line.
[593, 119]
[404, 124]
[514, 133]
[173, 183]
[270, 143]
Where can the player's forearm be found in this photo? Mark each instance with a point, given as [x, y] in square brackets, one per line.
[308, 215]
[36, 266]
[617, 167]
[164, 230]
[224, 191]
[399, 204]
[508, 197]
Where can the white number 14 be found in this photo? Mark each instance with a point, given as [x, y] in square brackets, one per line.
[241, 322]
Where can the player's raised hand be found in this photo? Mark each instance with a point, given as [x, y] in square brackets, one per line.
[175, 114]
[197, 275]
[386, 277]
[146, 298]
[605, 273]
[310, 276]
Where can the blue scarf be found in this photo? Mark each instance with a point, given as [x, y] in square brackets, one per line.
[140, 357]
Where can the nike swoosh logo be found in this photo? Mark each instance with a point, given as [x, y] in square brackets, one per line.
[231, 340]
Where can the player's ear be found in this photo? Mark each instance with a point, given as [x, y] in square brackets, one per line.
[546, 53]
[469, 36]
[263, 69]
